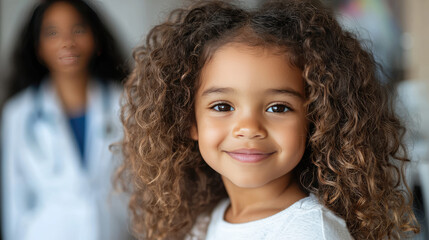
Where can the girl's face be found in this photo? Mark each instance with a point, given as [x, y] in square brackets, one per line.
[250, 119]
[66, 41]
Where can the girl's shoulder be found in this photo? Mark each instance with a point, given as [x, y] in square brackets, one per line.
[311, 220]
[199, 230]
[305, 219]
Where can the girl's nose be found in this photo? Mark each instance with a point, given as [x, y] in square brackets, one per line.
[249, 128]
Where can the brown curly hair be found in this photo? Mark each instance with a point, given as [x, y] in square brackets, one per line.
[355, 155]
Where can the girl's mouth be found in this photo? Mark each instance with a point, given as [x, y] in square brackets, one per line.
[249, 155]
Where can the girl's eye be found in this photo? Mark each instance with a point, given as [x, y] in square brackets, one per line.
[278, 108]
[222, 107]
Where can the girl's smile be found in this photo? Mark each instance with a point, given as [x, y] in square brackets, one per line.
[251, 123]
[249, 155]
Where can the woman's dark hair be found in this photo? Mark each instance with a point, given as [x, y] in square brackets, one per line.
[107, 64]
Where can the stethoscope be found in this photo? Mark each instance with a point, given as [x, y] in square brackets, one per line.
[38, 113]
[40, 119]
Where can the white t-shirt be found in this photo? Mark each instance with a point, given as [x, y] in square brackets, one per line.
[306, 219]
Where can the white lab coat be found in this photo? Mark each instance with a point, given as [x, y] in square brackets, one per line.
[46, 192]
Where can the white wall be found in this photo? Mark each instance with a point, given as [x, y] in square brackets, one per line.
[132, 19]
[12, 13]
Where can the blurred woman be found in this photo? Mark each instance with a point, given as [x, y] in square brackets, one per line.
[57, 126]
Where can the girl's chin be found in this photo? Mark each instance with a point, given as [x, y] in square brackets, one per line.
[245, 182]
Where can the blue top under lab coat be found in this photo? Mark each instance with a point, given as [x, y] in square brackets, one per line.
[46, 192]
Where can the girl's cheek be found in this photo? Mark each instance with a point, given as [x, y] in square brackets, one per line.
[213, 130]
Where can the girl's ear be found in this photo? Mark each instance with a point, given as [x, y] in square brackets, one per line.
[194, 132]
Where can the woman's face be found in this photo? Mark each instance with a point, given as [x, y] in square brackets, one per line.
[251, 122]
[66, 41]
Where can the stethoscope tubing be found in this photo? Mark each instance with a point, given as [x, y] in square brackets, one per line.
[38, 114]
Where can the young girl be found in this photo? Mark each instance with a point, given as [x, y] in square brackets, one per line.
[57, 127]
[270, 121]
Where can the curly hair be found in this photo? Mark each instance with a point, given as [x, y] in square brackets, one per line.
[355, 155]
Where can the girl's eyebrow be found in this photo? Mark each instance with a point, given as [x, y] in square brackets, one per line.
[217, 90]
[287, 91]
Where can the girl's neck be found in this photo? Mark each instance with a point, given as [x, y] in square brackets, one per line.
[72, 91]
[250, 204]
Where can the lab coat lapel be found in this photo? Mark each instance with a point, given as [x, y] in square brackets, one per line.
[97, 142]
[64, 149]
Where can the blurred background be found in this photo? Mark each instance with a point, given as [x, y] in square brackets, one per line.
[396, 31]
